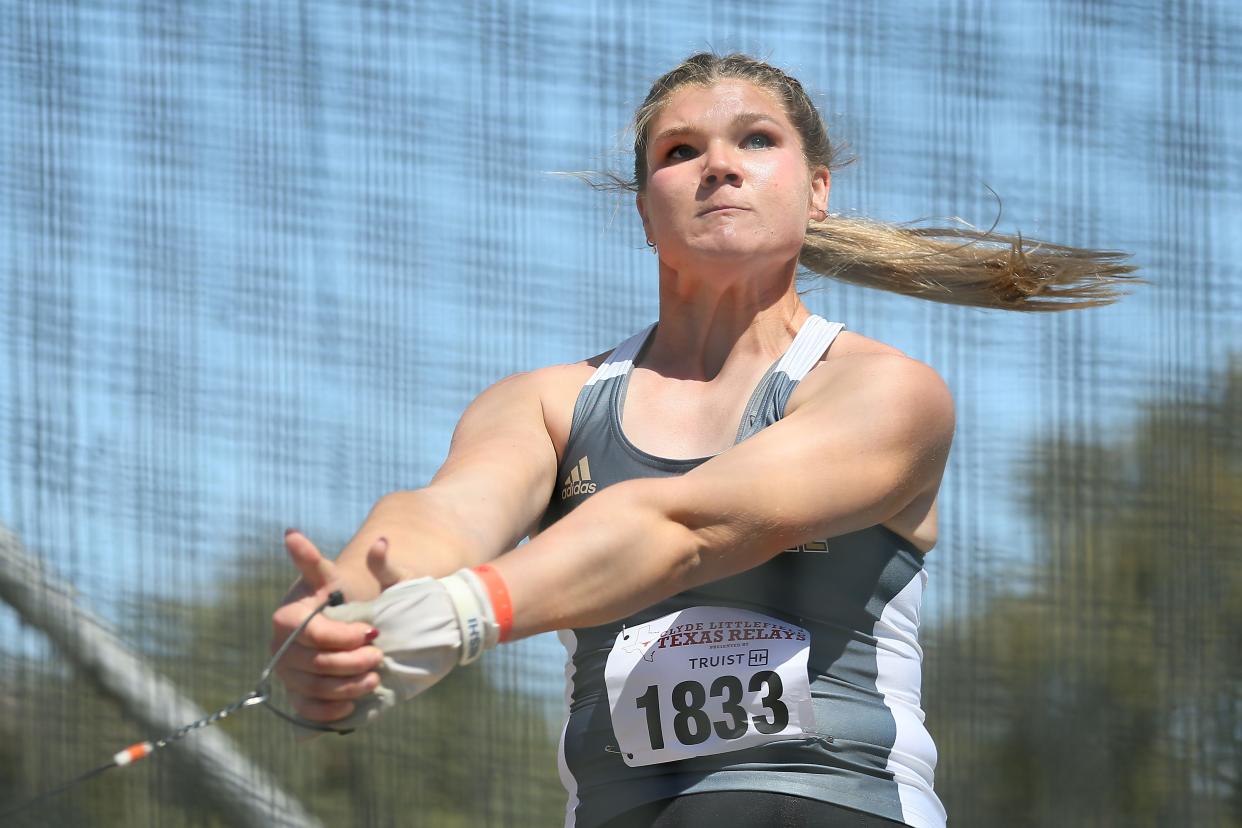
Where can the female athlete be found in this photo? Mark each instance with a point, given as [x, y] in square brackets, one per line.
[728, 512]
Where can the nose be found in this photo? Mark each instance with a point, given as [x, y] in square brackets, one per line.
[721, 165]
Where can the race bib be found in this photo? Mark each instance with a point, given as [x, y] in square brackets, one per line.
[707, 680]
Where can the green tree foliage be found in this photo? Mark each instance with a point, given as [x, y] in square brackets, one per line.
[1108, 690]
[476, 750]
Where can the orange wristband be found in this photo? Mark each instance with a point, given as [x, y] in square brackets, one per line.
[499, 595]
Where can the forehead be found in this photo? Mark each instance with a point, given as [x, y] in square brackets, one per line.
[694, 105]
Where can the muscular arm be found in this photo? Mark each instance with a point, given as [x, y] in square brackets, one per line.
[859, 449]
[487, 495]
[494, 485]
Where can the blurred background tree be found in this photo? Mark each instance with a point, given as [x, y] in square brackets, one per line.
[1107, 688]
[474, 751]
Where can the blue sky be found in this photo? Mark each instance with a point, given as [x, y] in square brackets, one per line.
[258, 257]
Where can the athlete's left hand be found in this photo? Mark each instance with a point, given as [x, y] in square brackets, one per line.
[427, 626]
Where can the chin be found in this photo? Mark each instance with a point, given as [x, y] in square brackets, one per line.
[736, 250]
[727, 251]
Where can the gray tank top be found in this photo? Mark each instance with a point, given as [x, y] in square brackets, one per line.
[858, 595]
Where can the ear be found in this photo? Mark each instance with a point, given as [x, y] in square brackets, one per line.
[821, 183]
[641, 205]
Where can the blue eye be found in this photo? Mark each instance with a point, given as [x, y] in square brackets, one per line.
[757, 141]
[681, 152]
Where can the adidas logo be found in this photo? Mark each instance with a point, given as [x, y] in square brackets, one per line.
[579, 481]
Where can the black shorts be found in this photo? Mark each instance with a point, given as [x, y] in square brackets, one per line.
[745, 809]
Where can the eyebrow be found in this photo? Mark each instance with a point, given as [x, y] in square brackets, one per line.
[742, 119]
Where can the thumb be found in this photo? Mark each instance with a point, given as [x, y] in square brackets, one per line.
[384, 570]
[317, 571]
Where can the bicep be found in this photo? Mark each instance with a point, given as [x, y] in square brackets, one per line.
[852, 456]
[501, 465]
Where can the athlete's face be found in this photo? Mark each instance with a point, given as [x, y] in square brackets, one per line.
[728, 177]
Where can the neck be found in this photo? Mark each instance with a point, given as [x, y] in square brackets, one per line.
[709, 323]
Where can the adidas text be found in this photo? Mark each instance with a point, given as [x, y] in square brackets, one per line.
[577, 488]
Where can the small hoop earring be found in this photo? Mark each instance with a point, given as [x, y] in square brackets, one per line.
[652, 245]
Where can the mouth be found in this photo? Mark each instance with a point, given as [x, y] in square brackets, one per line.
[720, 208]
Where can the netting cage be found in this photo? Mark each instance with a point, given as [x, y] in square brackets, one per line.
[257, 256]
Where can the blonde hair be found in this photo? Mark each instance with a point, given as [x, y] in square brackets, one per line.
[955, 265]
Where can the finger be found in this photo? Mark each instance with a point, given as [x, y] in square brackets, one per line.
[317, 711]
[322, 633]
[317, 571]
[285, 620]
[289, 617]
[351, 611]
[325, 634]
[382, 568]
[327, 688]
[339, 664]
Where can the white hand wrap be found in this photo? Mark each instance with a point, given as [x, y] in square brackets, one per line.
[426, 628]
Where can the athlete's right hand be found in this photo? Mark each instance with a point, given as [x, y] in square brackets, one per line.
[332, 664]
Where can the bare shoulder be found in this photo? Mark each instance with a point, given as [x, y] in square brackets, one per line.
[552, 383]
[557, 387]
[551, 391]
[877, 380]
[849, 343]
